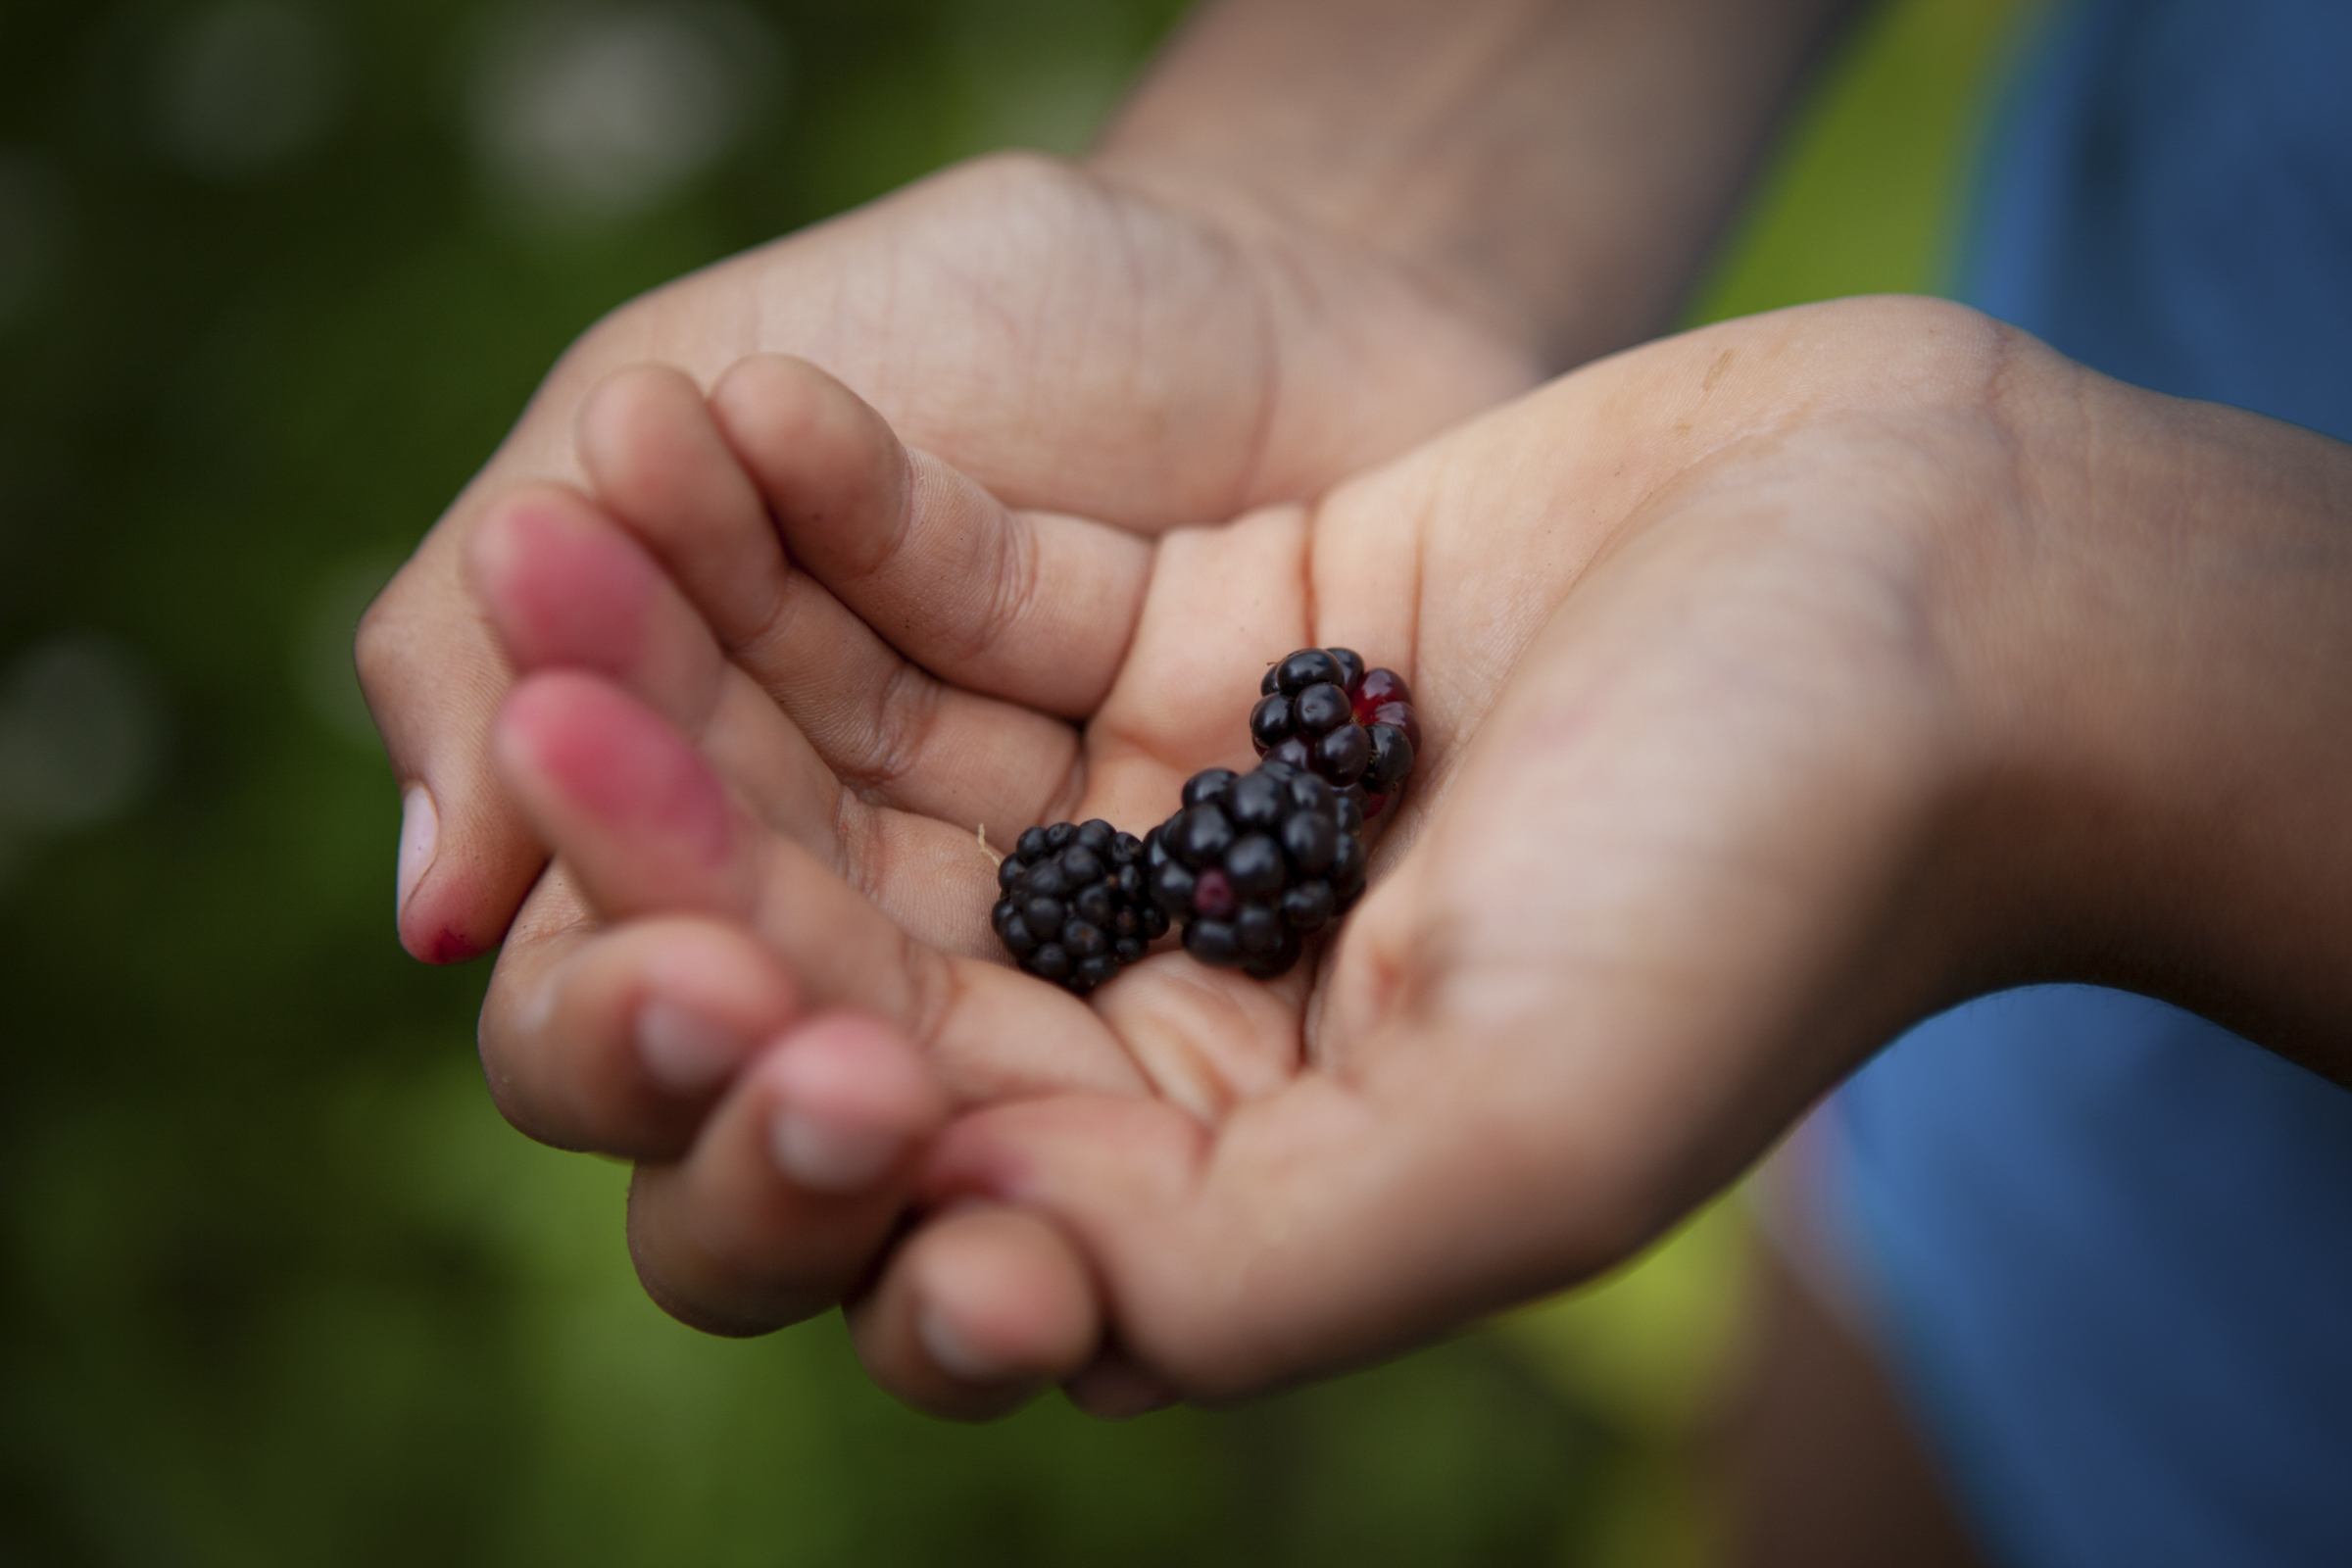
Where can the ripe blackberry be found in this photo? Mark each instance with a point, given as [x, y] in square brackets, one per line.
[1256, 863]
[1251, 866]
[1320, 709]
[1073, 906]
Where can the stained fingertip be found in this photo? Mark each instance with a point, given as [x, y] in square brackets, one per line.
[452, 902]
[441, 940]
[431, 676]
[635, 809]
[562, 587]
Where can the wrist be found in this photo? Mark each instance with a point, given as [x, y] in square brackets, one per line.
[1556, 172]
[2160, 660]
[1357, 359]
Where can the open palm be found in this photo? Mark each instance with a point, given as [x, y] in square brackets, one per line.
[1682, 720]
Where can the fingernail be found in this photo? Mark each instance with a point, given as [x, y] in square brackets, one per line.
[684, 1054]
[829, 1157]
[953, 1354]
[420, 839]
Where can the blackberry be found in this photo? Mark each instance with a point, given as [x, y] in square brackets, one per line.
[1322, 711]
[1074, 907]
[1256, 863]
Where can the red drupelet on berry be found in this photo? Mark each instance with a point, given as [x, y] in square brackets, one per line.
[1253, 866]
[1256, 863]
[1322, 711]
[1074, 908]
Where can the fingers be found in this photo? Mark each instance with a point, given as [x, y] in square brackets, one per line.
[1034, 608]
[643, 822]
[636, 812]
[1647, 925]
[618, 1040]
[1224, 601]
[1326, 1225]
[659, 462]
[981, 1310]
[884, 725]
[566, 590]
[1206, 1040]
[794, 1183]
[433, 678]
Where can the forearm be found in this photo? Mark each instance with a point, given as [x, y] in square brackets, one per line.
[2174, 656]
[1557, 168]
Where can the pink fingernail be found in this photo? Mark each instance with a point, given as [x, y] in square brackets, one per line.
[953, 1354]
[420, 840]
[829, 1157]
[683, 1053]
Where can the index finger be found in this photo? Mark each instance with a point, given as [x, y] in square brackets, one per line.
[1034, 607]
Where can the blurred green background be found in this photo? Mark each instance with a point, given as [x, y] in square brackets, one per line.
[276, 1286]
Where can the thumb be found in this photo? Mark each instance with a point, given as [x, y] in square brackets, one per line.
[433, 678]
[1343, 1218]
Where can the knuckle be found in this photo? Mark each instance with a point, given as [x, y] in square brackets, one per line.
[934, 993]
[1013, 587]
[906, 708]
[379, 647]
[996, 178]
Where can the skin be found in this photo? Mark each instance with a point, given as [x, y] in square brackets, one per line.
[1317, 234]
[1783, 683]
[1071, 342]
[1314, 235]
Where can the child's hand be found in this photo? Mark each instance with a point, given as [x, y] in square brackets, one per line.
[1726, 664]
[1063, 335]
[860, 781]
[1914, 662]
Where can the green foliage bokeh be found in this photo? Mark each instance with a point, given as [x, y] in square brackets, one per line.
[276, 1286]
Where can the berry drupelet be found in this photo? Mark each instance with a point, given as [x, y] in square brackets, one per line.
[1253, 866]
[1322, 711]
[1256, 863]
[1073, 905]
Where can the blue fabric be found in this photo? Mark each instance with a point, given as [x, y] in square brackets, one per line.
[2112, 1242]
[2113, 1249]
[2170, 201]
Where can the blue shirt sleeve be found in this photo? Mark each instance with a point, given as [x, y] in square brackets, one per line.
[2111, 1243]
